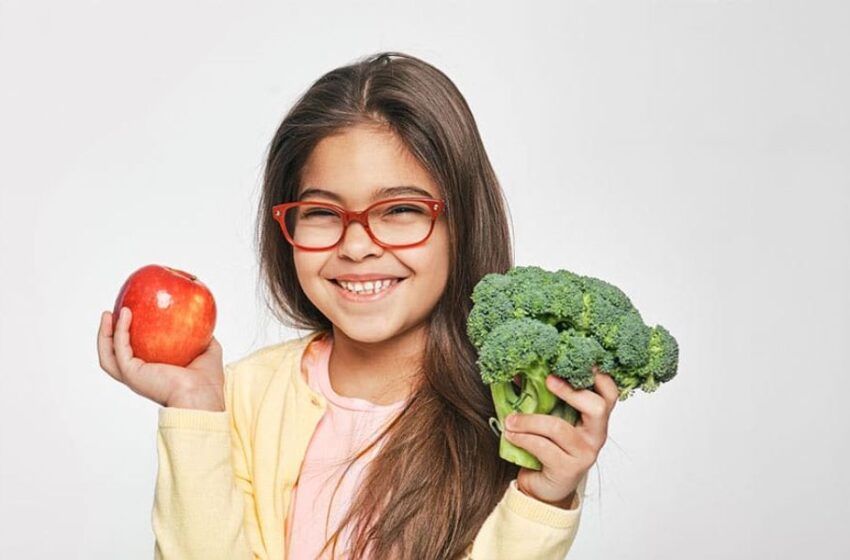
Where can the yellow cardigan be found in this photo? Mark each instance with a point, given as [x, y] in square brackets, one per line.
[225, 479]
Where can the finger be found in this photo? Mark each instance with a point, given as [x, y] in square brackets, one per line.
[593, 408]
[585, 401]
[558, 430]
[127, 363]
[215, 347]
[549, 454]
[211, 354]
[605, 385]
[105, 350]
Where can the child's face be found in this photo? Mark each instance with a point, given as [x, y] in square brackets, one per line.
[354, 165]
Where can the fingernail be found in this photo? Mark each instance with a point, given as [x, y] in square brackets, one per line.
[510, 421]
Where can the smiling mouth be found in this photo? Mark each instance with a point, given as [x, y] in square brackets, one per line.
[370, 287]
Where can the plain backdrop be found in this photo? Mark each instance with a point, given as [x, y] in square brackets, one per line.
[695, 154]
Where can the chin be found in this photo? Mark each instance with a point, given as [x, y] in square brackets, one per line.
[362, 332]
[367, 332]
[370, 338]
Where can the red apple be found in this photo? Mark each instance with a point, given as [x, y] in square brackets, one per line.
[173, 314]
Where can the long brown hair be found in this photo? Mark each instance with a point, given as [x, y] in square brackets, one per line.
[438, 474]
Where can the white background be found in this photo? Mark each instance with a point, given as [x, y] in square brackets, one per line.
[695, 154]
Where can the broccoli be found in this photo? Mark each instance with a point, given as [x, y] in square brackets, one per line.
[530, 322]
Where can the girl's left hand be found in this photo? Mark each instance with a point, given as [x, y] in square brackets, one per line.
[566, 452]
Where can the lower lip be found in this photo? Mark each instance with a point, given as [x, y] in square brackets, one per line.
[362, 298]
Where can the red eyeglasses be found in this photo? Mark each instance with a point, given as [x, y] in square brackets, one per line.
[395, 223]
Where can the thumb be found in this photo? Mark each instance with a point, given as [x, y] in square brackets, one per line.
[211, 356]
[214, 350]
[214, 346]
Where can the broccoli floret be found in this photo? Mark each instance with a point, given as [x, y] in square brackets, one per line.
[517, 345]
[663, 351]
[630, 338]
[529, 322]
[663, 358]
[491, 307]
[530, 292]
[603, 306]
[567, 300]
[577, 354]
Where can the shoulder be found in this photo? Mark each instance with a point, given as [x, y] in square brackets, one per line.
[266, 362]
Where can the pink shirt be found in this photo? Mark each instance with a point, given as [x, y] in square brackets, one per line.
[348, 425]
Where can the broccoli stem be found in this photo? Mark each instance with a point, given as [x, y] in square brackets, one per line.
[565, 411]
[505, 399]
[534, 384]
[534, 398]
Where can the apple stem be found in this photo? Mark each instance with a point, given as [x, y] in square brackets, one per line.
[189, 275]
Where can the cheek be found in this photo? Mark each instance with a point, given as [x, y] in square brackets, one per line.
[433, 263]
[307, 267]
[441, 256]
[300, 267]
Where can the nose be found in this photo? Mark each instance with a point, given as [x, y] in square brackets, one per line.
[356, 244]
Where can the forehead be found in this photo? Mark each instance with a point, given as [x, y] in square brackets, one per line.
[361, 164]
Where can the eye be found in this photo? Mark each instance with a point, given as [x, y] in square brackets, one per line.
[318, 213]
[404, 209]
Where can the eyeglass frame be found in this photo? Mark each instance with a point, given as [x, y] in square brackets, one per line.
[436, 207]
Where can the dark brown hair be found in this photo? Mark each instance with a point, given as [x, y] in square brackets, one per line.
[438, 474]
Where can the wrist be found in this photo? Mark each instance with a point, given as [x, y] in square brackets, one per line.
[209, 402]
[566, 503]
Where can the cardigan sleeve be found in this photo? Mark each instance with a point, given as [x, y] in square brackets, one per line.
[204, 500]
[523, 527]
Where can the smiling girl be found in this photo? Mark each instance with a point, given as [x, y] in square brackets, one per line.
[367, 437]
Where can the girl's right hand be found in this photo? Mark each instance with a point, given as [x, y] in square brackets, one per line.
[199, 385]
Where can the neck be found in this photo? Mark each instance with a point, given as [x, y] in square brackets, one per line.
[380, 372]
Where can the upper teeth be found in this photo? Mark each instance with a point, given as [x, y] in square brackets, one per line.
[370, 287]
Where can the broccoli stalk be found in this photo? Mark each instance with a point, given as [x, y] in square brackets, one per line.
[530, 322]
[534, 398]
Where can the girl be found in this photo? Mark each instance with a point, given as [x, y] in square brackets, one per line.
[369, 436]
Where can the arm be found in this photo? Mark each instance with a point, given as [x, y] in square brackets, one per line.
[204, 500]
[523, 527]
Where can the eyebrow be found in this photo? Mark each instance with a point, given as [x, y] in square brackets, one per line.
[385, 192]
